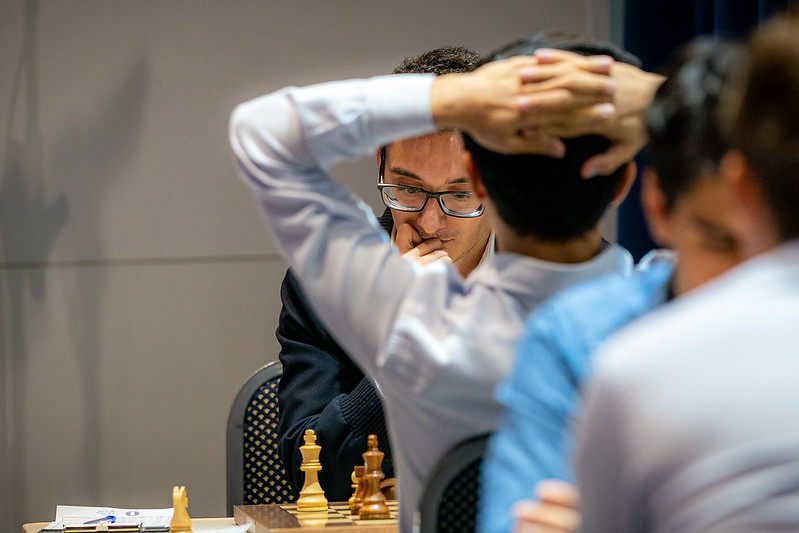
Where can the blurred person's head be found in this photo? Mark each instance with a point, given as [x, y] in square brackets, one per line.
[764, 132]
[688, 207]
[542, 197]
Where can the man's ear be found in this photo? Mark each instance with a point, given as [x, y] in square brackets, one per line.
[761, 232]
[625, 183]
[475, 181]
[655, 208]
[734, 168]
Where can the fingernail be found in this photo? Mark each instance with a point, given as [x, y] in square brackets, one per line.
[589, 172]
[527, 73]
[529, 133]
[524, 102]
[604, 61]
[610, 86]
[543, 53]
[557, 148]
[606, 110]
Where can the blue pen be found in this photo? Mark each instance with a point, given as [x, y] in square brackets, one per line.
[111, 518]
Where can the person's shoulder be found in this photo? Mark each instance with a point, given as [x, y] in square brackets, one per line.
[692, 313]
[668, 336]
[616, 293]
[572, 324]
[689, 330]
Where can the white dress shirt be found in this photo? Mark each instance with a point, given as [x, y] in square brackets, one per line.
[692, 418]
[435, 343]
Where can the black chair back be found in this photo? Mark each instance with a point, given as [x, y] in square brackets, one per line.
[451, 495]
[255, 473]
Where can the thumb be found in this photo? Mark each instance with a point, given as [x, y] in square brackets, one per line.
[407, 238]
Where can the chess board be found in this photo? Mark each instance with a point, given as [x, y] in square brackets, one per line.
[337, 519]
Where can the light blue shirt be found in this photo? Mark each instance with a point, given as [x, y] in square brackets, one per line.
[541, 395]
[435, 343]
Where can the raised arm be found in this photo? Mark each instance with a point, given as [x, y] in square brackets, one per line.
[285, 144]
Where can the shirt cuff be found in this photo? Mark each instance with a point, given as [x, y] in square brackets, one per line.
[399, 106]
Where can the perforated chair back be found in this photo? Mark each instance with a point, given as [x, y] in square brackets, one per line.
[255, 473]
[451, 494]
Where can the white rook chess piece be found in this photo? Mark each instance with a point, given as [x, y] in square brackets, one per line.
[312, 497]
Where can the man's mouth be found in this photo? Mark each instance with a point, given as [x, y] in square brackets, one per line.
[442, 238]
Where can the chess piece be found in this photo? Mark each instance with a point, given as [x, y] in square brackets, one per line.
[374, 503]
[180, 515]
[359, 484]
[312, 497]
[389, 488]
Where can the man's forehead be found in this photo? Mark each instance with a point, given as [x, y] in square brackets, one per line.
[433, 160]
[444, 140]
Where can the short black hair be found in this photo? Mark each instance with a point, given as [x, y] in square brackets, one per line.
[765, 118]
[439, 61]
[543, 196]
[684, 121]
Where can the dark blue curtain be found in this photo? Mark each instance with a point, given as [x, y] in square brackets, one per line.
[652, 30]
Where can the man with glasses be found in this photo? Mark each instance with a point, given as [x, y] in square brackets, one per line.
[424, 182]
[321, 388]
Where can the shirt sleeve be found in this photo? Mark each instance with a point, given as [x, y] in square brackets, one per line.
[284, 144]
[533, 441]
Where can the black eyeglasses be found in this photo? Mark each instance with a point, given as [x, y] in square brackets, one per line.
[461, 204]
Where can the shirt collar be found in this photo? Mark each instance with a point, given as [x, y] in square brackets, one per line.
[528, 277]
[491, 247]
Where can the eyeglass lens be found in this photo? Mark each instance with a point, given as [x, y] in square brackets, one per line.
[457, 201]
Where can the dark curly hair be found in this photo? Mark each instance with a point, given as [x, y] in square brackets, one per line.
[439, 61]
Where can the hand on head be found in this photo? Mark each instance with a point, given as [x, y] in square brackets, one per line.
[502, 99]
[412, 246]
[623, 122]
[526, 104]
[555, 510]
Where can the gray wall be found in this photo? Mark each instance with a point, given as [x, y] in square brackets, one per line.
[138, 287]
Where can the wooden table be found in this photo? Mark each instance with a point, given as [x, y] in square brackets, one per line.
[199, 524]
[337, 519]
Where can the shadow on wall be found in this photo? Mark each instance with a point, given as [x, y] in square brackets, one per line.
[89, 159]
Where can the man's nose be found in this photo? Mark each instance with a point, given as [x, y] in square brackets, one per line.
[431, 218]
